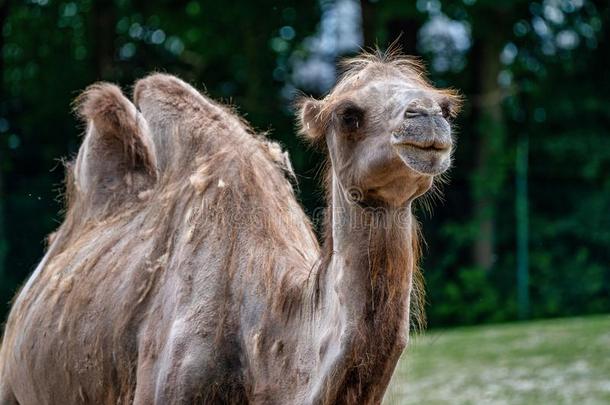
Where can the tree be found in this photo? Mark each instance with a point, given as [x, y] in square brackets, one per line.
[4, 9]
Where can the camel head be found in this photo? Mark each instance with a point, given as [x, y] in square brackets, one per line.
[387, 130]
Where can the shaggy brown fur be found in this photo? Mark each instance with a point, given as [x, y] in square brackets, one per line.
[186, 272]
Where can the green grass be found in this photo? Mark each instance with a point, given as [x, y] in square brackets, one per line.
[562, 361]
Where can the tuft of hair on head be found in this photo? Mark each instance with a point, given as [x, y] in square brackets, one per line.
[393, 59]
[393, 56]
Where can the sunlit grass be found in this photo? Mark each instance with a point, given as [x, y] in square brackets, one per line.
[562, 361]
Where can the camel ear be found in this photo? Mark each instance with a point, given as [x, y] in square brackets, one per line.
[311, 122]
[117, 158]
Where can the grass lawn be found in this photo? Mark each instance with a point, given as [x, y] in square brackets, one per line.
[561, 361]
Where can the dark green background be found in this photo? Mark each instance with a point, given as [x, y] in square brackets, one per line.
[558, 103]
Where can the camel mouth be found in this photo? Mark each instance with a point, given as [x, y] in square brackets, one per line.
[429, 157]
[426, 146]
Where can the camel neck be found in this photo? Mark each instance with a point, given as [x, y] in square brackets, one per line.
[372, 252]
[368, 280]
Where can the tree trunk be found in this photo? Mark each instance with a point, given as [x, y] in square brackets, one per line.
[104, 23]
[490, 130]
[367, 11]
[522, 219]
[4, 6]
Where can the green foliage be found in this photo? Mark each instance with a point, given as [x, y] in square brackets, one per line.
[469, 297]
[558, 101]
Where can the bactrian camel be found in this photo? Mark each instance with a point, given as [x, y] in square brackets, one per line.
[186, 271]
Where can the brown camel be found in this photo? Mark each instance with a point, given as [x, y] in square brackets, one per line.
[186, 271]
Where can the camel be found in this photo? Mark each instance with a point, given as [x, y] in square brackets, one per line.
[186, 271]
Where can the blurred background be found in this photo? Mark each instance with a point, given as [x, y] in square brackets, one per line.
[523, 229]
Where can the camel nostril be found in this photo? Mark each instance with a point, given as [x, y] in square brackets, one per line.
[415, 112]
[424, 106]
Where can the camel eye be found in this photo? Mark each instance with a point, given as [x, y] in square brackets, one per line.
[352, 118]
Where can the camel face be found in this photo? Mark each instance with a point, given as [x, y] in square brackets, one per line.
[387, 131]
[388, 137]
